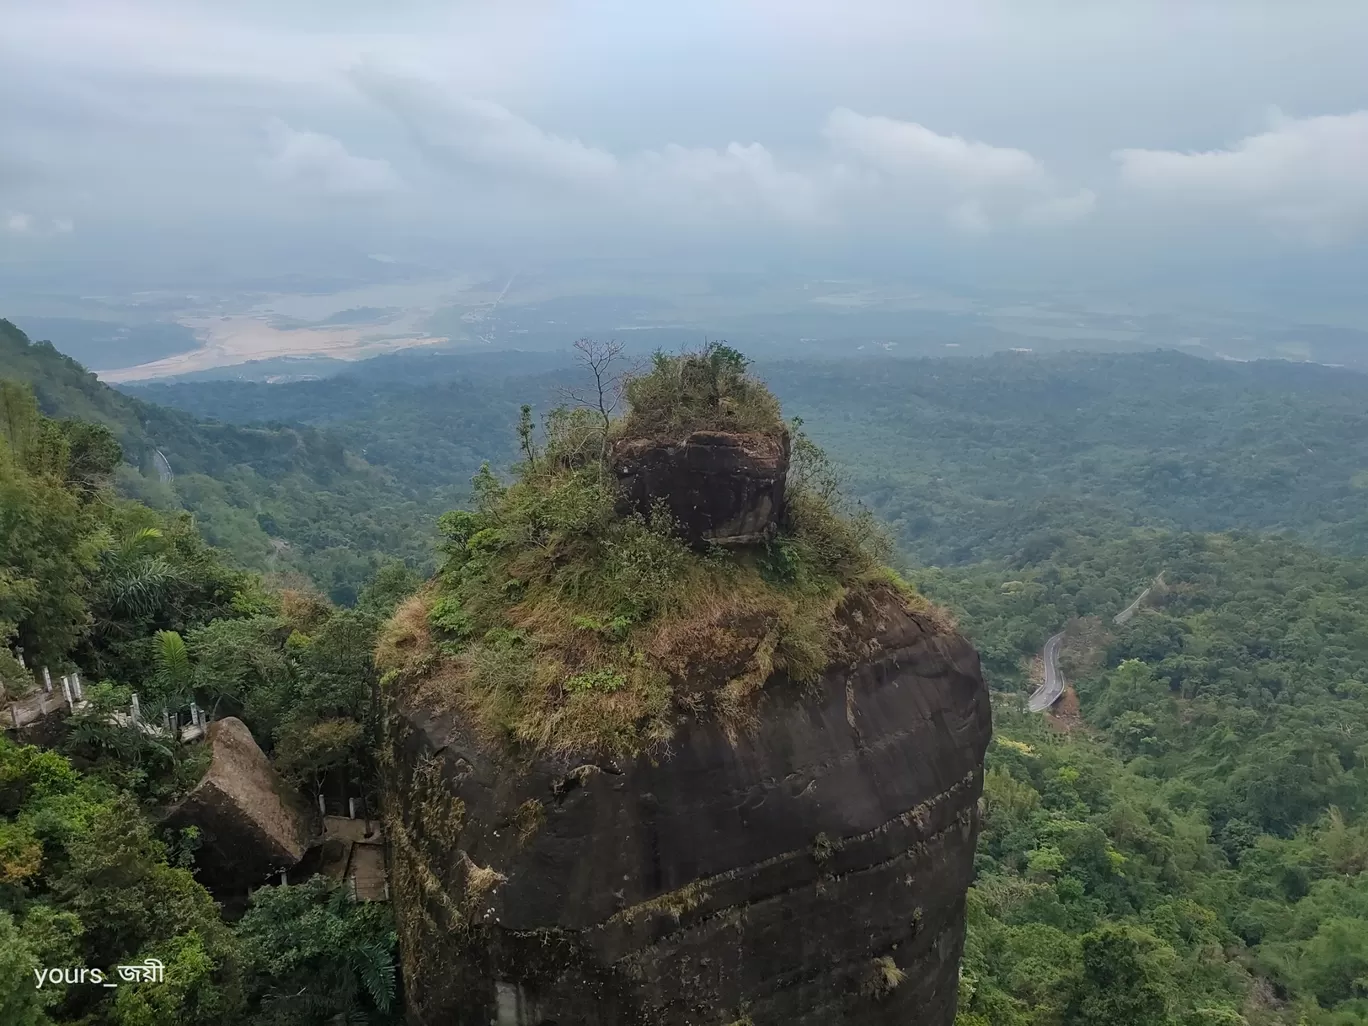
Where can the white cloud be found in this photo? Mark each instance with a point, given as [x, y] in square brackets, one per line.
[871, 167]
[741, 179]
[975, 185]
[459, 130]
[907, 148]
[319, 161]
[30, 225]
[1306, 175]
[1061, 209]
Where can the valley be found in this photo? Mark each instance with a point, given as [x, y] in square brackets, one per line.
[1198, 830]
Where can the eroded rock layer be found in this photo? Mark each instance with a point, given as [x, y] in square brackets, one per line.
[811, 873]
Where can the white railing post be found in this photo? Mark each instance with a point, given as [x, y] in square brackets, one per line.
[66, 692]
[322, 808]
[76, 684]
[47, 681]
[135, 710]
[351, 808]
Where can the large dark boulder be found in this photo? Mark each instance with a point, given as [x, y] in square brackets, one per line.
[811, 872]
[252, 824]
[720, 487]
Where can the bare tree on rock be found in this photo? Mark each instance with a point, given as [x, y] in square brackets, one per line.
[604, 362]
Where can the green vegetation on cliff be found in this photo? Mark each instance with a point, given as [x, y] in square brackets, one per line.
[136, 601]
[561, 621]
[705, 391]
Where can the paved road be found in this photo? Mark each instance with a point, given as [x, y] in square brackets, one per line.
[1048, 693]
[1129, 611]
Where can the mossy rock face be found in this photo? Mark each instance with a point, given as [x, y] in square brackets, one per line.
[720, 487]
[764, 877]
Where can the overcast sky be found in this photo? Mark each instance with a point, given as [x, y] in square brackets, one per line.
[1093, 139]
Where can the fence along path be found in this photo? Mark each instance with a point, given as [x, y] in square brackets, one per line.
[48, 700]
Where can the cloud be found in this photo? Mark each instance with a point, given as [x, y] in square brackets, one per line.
[905, 148]
[321, 162]
[456, 131]
[1061, 209]
[1308, 176]
[737, 180]
[29, 225]
[459, 133]
[869, 166]
[975, 185]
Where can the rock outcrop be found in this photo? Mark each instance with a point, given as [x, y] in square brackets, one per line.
[252, 824]
[809, 873]
[720, 487]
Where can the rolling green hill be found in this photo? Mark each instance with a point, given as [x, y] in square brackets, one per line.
[965, 459]
[278, 498]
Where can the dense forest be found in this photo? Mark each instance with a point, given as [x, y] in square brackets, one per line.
[1184, 843]
[283, 499]
[136, 600]
[1197, 841]
[964, 459]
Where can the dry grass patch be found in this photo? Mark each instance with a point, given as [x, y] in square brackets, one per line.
[559, 624]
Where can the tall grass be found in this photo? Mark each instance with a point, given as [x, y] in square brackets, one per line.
[556, 622]
[706, 390]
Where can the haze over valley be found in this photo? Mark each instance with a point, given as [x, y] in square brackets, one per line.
[748, 513]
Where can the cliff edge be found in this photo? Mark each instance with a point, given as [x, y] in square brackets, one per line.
[635, 778]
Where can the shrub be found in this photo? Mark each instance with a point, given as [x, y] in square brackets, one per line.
[558, 622]
[705, 390]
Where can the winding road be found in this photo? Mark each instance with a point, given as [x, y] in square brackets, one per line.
[1048, 693]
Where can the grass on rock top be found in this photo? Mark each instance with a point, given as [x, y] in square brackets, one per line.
[560, 624]
[704, 391]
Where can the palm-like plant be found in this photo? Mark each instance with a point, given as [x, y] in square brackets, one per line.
[174, 678]
[344, 951]
[135, 578]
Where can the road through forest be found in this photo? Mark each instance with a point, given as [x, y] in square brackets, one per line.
[1048, 693]
[1053, 686]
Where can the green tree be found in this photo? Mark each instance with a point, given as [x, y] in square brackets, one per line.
[1118, 983]
[313, 954]
[21, 1001]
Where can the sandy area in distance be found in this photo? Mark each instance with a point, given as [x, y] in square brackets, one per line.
[232, 340]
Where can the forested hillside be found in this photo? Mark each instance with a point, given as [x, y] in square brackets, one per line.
[1187, 847]
[278, 498]
[972, 459]
[965, 459]
[1193, 850]
[134, 599]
